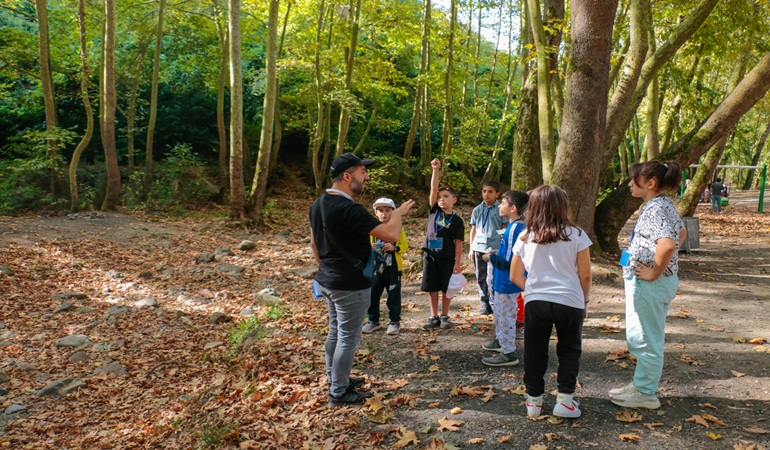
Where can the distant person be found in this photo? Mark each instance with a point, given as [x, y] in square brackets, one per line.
[650, 279]
[717, 190]
[340, 228]
[390, 280]
[486, 225]
[507, 302]
[552, 263]
[442, 248]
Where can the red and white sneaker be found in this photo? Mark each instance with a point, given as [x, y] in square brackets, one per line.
[566, 406]
[534, 405]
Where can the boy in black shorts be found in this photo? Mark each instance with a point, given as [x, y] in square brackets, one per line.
[442, 248]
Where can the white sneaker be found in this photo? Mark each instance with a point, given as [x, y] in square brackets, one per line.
[393, 328]
[635, 399]
[370, 327]
[534, 405]
[566, 406]
[622, 390]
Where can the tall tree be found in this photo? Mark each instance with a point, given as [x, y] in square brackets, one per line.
[447, 135]
[755, 159]
[86, 139]
[350, 58]
[107, 107]
[237, 189]
[46, 80]
[544, 110]
[259, 185]
[153, 99]
[224, 58]
[585, 110]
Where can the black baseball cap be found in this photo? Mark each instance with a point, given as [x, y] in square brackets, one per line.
[347, 160]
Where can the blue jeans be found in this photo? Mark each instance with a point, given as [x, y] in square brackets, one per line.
[346, 317]
[716, 203]
[647, 304]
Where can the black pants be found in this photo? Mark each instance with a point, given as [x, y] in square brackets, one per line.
[390, 282]
[540, 319]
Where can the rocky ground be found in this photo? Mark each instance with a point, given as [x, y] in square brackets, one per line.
[110, 338]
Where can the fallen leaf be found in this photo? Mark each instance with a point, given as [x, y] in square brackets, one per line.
[375, 403]
[628, 417]
[718, 330]
[449, 424]
[740, 340]
[737, 374]
[552, 437]
[395, 384]
[713, 419]
[630, 437]
[682, 315]
[756, 430]
[714, 436]
[554, 420]
[651, 426]
[405, 438]
[489, 395]
[473, 391]
[699, 420]
[614, 318]
[476, 441]
[504, 439]
[757, 341]
[707, 405]
[380, 416]
[538, 447]
[403, 399]
[434, 368]
[519, 390]
[456, 410]
[434, 405]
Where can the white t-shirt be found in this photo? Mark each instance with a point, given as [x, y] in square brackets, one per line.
[552, 269]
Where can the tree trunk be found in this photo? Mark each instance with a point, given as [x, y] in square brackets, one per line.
[755, 160]
[136, 79]
[651, 140]
[421, 83]
[526, 171]
[108, 108]
[237, 195]
[554, 17]
[582, 133]
[278, 131]
[544, 111]
[317, 137]
[344, 121]
[448, 122]
[73, 169]
[616, 208]
[673, 114]
[259, 185]
[366, 130]
[46, 80]
[153, 99]
[224, 57]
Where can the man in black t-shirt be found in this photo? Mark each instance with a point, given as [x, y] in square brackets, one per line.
[717, 190]
[348, 225]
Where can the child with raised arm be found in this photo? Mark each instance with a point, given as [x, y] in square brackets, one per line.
[442, 248]
[555, 256]
[650, 267]
[507, 294]
[390, 280]
[486, 226]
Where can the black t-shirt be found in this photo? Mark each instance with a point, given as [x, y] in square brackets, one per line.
[448, 228]
[350, 224]
[717, 189]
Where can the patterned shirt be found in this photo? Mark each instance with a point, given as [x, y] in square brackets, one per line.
[657, 220]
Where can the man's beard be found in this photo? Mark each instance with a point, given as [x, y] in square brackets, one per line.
[357, 187]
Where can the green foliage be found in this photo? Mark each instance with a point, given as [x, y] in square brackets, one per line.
[276, 311]
[384, 175]
[245, 328]
[215, 435]
[30, 161]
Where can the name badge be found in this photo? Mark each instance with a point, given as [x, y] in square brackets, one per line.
[481, 239]
[625, 258]
[435, 244]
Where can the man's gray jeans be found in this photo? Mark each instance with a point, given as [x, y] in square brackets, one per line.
[347, 310]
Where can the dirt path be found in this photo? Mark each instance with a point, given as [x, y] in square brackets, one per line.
[712, 374]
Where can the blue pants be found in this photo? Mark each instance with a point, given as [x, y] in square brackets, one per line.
[647, 304]
[716, 203]
[346, 317]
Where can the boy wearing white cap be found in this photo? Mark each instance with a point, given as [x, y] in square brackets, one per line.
[390, 280]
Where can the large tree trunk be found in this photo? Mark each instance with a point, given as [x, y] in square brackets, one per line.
[672, 119]
[616, 208]
[421, 83]
[237, 194]
[526, 170]
[447, 134]
[577, 165]
[224, 58]
[350, 53]
[259, 185]
[544, 110]
[278, 130]
[46, 80]
[317, 137]
[108, 108]
[73, 169]
[755, 160]
[153, 99]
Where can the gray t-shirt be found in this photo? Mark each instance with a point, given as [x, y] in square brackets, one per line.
[488, 222]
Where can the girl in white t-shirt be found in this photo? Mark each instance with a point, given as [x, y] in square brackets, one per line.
[556, 256]
[650, 266]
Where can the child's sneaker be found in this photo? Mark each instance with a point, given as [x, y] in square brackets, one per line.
[445, 322]
[566, 406]
[393, 328]
[433, 322]
[492, 346]
[501, 359]
[622, 390]
[370, 327]
[534, 405]
[636, 399]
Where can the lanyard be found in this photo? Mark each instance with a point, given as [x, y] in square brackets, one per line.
[436, 228]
